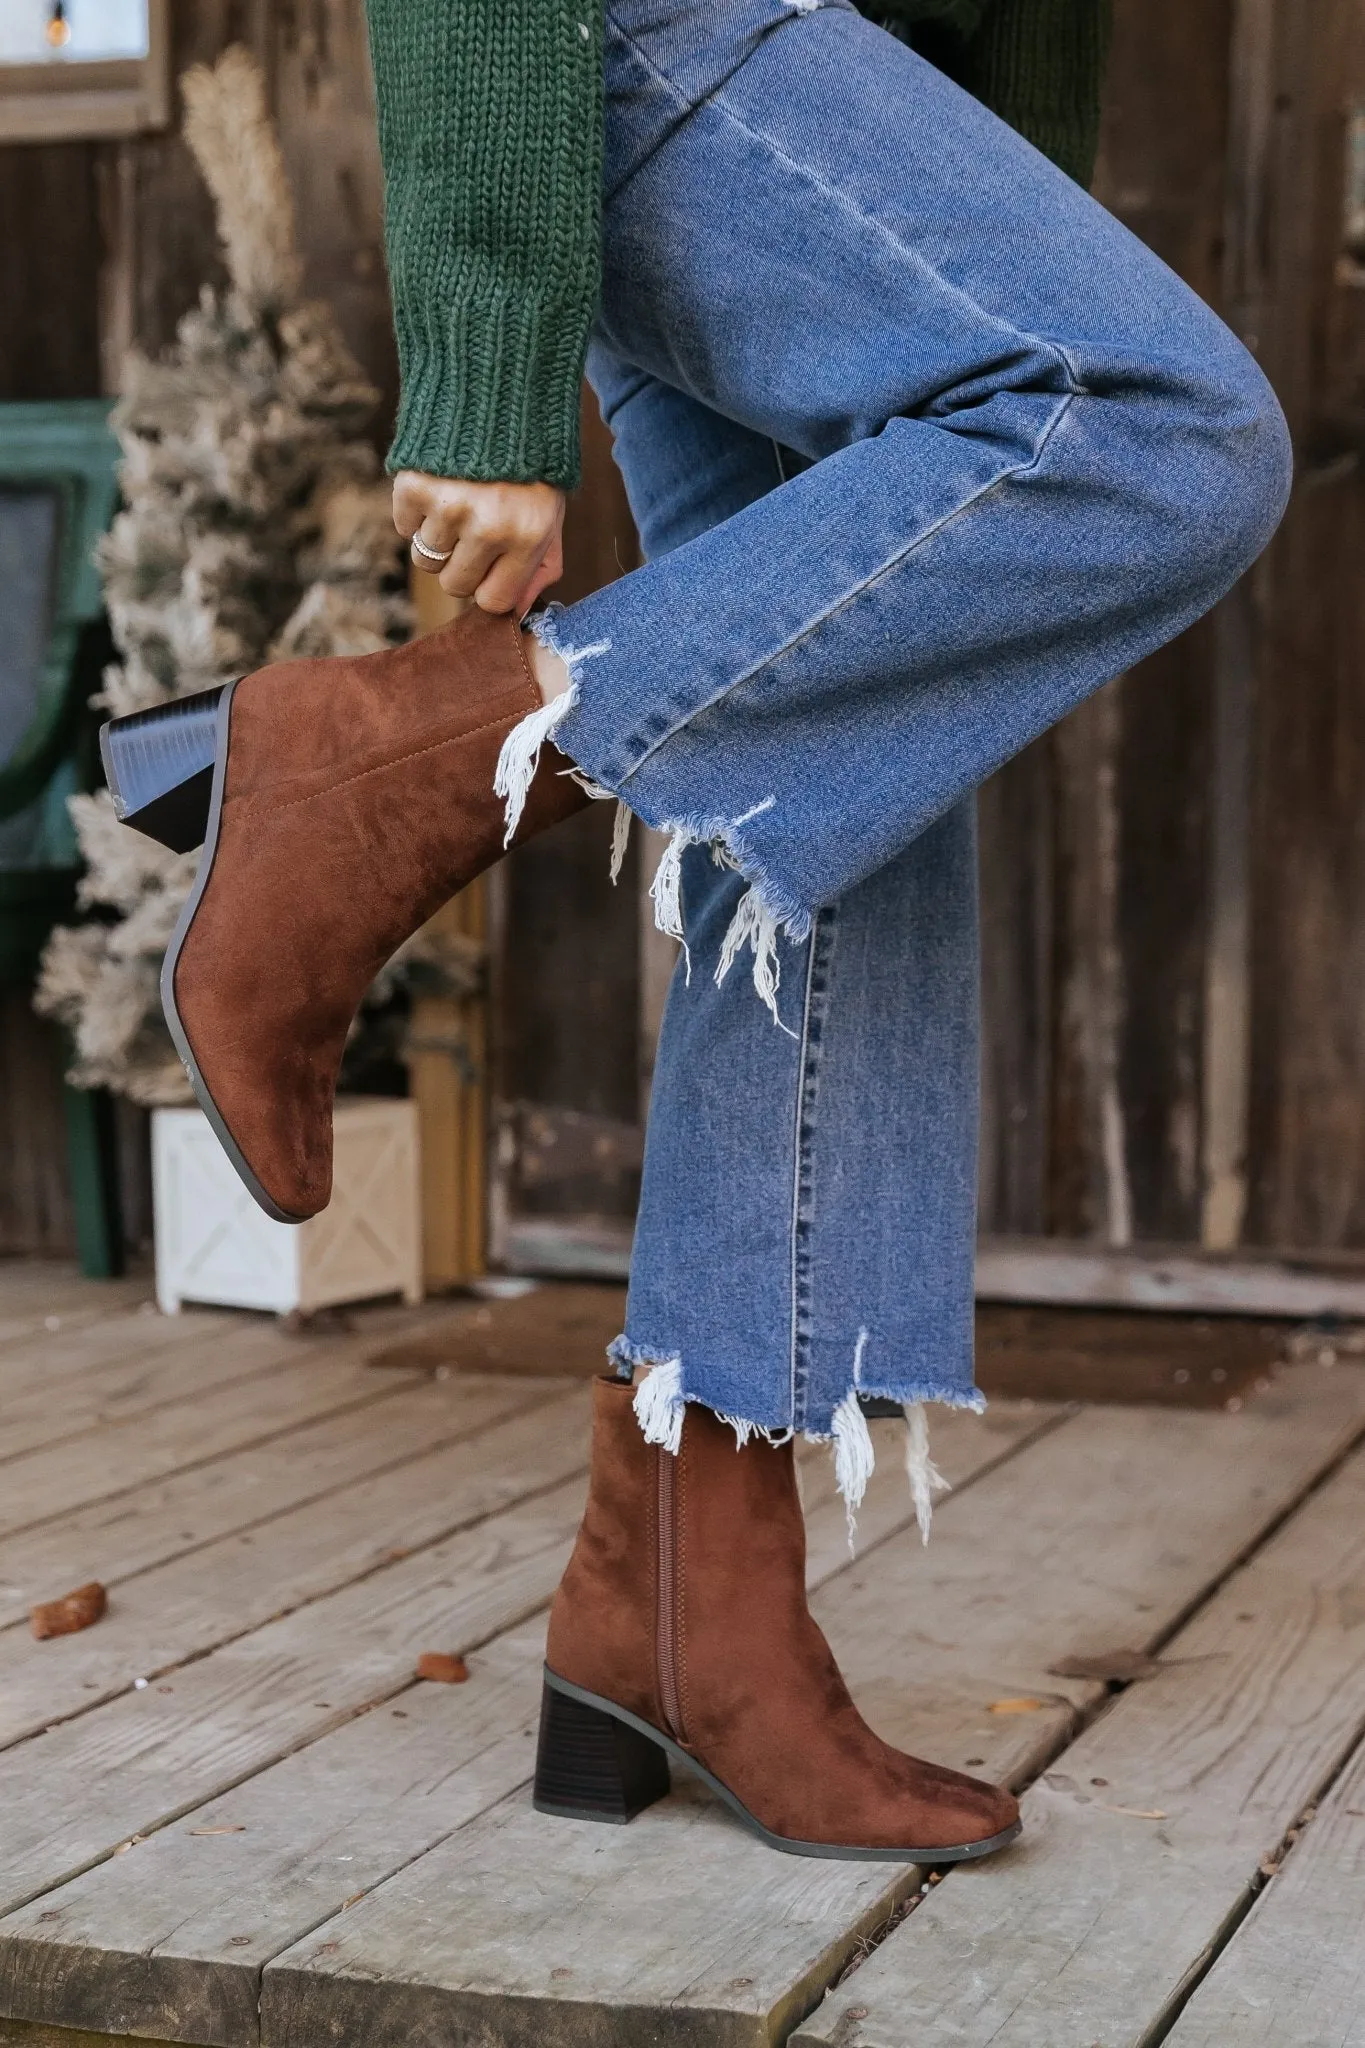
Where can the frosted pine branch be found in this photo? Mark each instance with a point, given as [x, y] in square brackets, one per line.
[256, 526]
[228, 128]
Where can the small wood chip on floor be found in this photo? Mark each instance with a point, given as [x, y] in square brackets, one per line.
[435, 1664]
[74, 1611]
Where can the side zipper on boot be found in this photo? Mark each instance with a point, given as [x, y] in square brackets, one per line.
[666, 1645]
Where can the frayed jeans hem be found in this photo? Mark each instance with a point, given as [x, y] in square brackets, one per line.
[767, 910]
[661, 1401]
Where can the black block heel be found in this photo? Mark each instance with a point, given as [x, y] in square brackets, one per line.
[590, 1766]
[159, 767]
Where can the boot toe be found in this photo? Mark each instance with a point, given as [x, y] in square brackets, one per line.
[948, 1810]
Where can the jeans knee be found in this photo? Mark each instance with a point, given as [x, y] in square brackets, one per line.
[1261, 459]
[1237, 476]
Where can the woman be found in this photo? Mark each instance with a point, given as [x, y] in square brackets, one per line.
[923, 448]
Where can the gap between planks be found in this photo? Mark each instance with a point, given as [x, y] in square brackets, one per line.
[1293, 1973]
[682, 1912]
[60, 1359]
[388, 1784]
[116, 1539]
[147, 1418]
[28, 2034]
[527, 1931]
[1143, 1843]
[48, 1415]
[40, 1297]
[517, 1440]
[114, 1460]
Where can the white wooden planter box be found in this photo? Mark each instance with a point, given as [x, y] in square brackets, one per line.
[214, 1245]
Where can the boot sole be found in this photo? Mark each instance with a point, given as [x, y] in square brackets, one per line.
[582, 1761]
[157, 764]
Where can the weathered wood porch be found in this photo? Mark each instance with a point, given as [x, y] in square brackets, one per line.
[230, 1814]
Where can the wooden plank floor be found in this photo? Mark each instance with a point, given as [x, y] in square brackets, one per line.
[230, 1815]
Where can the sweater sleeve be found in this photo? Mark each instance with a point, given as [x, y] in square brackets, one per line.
[1038, 64]
[490, 129]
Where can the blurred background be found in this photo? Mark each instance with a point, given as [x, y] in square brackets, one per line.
[1173, 880]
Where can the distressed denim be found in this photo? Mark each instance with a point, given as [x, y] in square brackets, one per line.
[924, 447]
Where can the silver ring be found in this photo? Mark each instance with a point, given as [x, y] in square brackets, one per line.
[420, 547]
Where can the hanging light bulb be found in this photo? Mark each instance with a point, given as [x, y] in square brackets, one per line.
[58, 27]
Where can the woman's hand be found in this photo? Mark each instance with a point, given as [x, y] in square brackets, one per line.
[504, 541]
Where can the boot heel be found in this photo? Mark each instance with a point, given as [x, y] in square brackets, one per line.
[590, 1766]
[159, 767]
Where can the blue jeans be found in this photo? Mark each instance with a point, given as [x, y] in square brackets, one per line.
[924, 447]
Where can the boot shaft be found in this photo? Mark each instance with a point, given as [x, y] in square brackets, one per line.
[684, 1608]
[688, 1577]
[322, 722]
[358, 798]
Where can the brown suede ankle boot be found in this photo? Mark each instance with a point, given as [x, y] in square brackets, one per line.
[346, 801]
[681, 1628]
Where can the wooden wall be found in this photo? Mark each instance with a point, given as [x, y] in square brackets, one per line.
[1095, 842]
[1307, 853]
[1174, 881]
[108, 243]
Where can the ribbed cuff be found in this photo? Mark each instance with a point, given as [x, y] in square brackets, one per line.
[963, 16]
[494, 396]
[1039, 64]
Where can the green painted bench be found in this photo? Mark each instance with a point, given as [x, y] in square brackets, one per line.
[58, 491]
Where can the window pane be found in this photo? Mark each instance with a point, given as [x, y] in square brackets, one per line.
[29, 526]
[93, 29]
[28, 562]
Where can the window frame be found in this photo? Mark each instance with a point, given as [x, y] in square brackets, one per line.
[62, 102]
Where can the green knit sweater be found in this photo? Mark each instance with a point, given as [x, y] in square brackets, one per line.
[490, 127]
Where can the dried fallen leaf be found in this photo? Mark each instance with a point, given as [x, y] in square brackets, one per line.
[1017, 1706]
[238, 1828]
[74, 1611]
[435, 1664]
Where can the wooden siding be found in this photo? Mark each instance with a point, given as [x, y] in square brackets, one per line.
[233, 1815]
[1174, 882]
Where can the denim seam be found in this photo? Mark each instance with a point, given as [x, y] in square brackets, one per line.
[911, 257]
[610, 773]
[683, 101]
[807, 1104]
[797, 1122]
[617, 779]
[717, 98]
